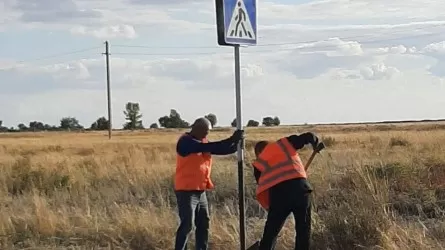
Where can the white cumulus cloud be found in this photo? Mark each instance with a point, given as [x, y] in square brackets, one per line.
[111, 31]
[438, 48]
[378, 71]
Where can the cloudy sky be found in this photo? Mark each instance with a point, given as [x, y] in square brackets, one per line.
[316, 61]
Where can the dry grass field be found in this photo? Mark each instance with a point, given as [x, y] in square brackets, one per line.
[376, 187]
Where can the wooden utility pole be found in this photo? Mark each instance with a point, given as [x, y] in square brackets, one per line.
[107, 57]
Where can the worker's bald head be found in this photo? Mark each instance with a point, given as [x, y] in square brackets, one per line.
[201, 127]
[259, 147]
[202, 122]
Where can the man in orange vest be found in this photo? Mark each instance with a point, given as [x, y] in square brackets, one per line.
[283, 188]
[192, 179]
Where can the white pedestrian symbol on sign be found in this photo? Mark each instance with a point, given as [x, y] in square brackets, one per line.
[240, 25]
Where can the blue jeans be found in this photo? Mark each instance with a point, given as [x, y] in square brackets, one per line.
[192, 208]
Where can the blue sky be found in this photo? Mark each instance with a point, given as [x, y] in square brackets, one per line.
[316, 61]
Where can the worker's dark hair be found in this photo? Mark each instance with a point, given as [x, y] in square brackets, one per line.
[259, 147]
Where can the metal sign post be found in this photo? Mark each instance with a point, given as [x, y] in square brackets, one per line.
[236, 22]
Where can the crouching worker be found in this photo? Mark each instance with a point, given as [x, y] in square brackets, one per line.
[283, 188]
[192, 180]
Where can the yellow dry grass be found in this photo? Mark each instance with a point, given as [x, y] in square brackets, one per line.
[376, 187]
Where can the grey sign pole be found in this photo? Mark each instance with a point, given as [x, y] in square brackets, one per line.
[236, 23]
[240, 153]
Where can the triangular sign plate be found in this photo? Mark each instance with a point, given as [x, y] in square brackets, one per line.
[240, 26]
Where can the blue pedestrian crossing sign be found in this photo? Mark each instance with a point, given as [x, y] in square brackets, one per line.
[236, 22]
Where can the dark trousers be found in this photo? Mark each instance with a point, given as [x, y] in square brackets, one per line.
[300, 206]
[192, 208]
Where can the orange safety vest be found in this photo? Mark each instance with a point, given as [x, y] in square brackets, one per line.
[193, 171]
[278, 162]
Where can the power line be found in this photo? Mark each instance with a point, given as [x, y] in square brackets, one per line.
[300, 46]
[296, 46]
[44, 65]
[269, 44]
[59, 55]
[49, 57]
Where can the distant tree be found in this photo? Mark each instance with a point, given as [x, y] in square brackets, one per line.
[100, 124]
[252, 123]
[276, 121]
[133, 116]
[212, 118]
[70, 123]
[165, 122]
[3, 129]
[36, 126]
[233, 124]
[11, 129]
[174, 120]
[154, 125]
[269, 121]
[50, 127]
[22, 127]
